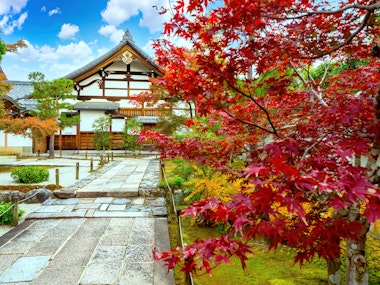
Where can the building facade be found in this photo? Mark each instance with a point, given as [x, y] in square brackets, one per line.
[109, 85]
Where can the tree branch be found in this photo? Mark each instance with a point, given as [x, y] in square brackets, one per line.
[249, 123]
[368, 8]
[311, 89]
[274, 131]
[345, 42]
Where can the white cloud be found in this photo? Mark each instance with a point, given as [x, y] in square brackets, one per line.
[119, 11]
[115, 35]
[102, 51]
[54, 11]
[12, 6]
[9, 9]
[68, 31]
[7, 24]
[43, 9]
[75, 51]
[54, 62]
[21, 20]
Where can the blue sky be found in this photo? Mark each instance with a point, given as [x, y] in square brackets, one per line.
[63, 35]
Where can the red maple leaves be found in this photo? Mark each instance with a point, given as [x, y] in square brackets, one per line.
[250, 70]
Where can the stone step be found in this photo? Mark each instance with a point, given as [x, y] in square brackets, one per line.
[100, 207]
[108, 192]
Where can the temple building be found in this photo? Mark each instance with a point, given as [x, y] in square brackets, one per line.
[108, 85]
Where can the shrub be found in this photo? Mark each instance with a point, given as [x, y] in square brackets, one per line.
[175, 183]
[183, 169]
[30, 174]
[7, 218]
[207, 182]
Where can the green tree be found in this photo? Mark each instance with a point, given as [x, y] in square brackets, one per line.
[131, 133]
[52, 98]
[102, 136]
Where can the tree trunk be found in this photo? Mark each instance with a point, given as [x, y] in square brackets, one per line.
[51, 147]
[356, 271]
[333, 271]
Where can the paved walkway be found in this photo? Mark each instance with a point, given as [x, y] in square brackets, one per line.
[98, 237]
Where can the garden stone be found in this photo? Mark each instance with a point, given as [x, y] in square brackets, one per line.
[9, 196]
[65, 193]
[38, 195]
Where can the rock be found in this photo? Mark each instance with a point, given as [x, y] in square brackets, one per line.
[151, 192]
[160, 212]
[159, 202]
[8, 196]
[37, 195]
[65, 193]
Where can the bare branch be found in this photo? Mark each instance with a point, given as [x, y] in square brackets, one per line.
[311, 89]
[324, 74]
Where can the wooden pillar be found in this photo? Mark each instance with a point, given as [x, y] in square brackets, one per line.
[142, 108]
[60, 139]
[77, 141]
[5, 142]
[111, 141]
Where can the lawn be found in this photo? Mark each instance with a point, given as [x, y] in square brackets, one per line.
[263, 267]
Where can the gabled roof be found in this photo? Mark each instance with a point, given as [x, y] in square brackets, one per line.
[126, 44]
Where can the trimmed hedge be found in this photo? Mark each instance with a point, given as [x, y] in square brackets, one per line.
[30, 174]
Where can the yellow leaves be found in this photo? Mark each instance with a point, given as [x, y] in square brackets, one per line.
[207, 183]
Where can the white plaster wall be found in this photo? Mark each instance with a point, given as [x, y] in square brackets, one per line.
[118, 125]
[70, 130]
[92, 90]
[87, 118]
[14, 140]
[15, 144]
[139, 84]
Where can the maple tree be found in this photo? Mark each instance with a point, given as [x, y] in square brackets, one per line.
[310, 144]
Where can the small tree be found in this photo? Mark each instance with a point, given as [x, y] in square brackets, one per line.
[52, 97]
[102, 136]
[131, 133]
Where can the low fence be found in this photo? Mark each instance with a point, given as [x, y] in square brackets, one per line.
[173, 210]
[103, 159]
[14, 208]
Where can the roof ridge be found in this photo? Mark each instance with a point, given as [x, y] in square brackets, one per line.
[126, 40]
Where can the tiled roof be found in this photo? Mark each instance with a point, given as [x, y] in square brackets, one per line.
[20, 89]
[147, 119]
[20, 94]
[126, 40]
[110, 106]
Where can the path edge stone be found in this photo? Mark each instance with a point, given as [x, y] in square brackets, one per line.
[161, 276]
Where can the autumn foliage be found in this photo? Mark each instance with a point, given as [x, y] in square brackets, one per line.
[30, 126]
[248, 68]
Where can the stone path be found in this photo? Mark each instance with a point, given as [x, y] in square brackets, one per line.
[94, 238]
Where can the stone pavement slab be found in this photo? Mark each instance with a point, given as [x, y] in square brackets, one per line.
[92, 240]
[90, 250]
